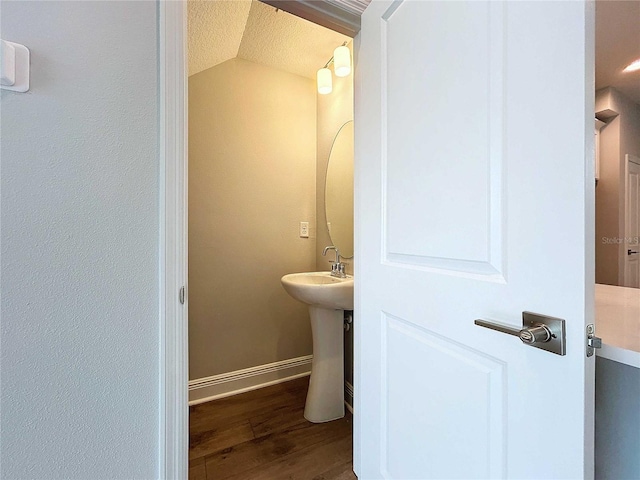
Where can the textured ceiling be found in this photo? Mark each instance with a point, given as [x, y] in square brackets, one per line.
[223, 29]
[617, 45]
[281, 40]
[215, 31]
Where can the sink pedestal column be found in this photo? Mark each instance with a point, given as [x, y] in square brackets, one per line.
[325, 398]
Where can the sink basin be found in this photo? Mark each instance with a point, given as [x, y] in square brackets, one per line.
[327, 298]
[320, 289]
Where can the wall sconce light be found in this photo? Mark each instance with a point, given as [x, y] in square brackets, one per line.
[342, 61]
[633, 66]
[325, 81]
[341, 65]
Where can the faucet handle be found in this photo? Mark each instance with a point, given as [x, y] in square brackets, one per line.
[340, 269]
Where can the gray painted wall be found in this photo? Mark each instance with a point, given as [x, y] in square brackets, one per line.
[617, 421]
[79, 193]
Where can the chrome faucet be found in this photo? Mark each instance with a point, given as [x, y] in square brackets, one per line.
[337, 267]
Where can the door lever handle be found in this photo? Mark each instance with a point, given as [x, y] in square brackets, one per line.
[540, 331]
[631, 252]
[528, 335]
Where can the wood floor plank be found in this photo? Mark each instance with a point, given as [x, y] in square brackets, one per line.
[262, 435]
[301, 465]
[204, 443]
[341, 472]
[197, 470]
[230, 410]
[273, 447]
[279, 419]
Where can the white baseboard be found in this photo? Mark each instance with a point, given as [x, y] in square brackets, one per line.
[349, 407]
[232, 383]
[348, 396]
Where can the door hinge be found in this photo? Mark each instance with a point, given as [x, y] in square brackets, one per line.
[181, 295]
[593, 342]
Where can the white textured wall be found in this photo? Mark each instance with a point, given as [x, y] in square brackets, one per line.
[79, 192]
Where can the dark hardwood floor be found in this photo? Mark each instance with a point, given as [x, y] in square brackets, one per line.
[263, 435]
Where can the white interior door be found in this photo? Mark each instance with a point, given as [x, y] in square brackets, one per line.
[632, 223]
[470, 204]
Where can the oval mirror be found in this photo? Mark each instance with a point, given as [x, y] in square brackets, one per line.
[338, 191]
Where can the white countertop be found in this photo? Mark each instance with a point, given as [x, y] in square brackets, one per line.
[618, 323]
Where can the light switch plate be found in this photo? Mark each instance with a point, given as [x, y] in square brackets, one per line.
[15, 67]
[7, 64]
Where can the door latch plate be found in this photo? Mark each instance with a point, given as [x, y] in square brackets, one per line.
[593, 342]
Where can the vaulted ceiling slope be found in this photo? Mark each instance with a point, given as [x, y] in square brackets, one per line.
[220, 30]
[215, 31]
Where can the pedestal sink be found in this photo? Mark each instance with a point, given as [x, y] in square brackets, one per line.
[327, 297]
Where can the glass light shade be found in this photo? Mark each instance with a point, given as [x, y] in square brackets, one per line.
[324, 81]
[342, 61]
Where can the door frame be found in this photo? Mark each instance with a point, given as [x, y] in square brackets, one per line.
[622, 269]
[173, 378]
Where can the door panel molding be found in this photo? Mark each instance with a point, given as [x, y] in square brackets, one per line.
[456, 373]
[468, 235]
